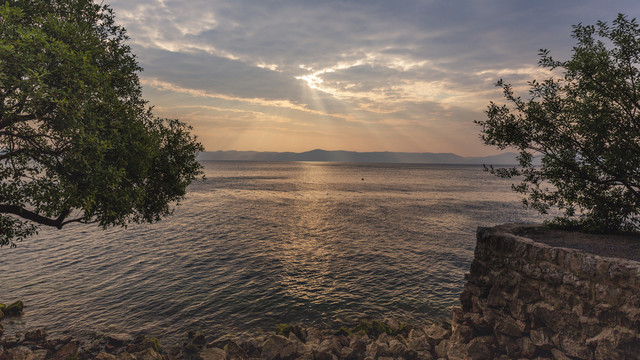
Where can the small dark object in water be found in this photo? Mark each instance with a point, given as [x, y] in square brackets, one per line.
[362, 179]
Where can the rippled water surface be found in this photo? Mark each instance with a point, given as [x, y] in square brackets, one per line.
[257, 244]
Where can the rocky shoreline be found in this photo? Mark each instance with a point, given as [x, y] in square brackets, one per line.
[388, 339]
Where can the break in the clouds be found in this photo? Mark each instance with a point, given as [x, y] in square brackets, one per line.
[353, 75]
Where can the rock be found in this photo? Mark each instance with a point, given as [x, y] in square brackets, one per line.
[14, 309]
[558, 355]
[442, 348]
[372, 328]
[19, 353]
[436, 333]
[479, 350]
[148, 354]
[1, 314]
[418, 343]
[119, 339]
[394, 325]
[220, 342]
[286, 329]
[235, 351]
[198, 338]
[9, 341]
[250, 346]
[458, 351]
[462, 334]
[37, 335]
[508, 326]
[527, 348]
[125, 356]
[278, 347]
[423, 355]
[39, 354]
[104, 356]
[358, 346]
[575, 349]
[67, 351]
[542, 338]
[397, 349]
[314, 336]
[213, 354]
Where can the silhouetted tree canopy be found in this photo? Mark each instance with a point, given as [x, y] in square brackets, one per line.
[77, 141]
[584, 126]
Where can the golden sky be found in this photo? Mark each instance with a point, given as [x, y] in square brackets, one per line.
[407, 76]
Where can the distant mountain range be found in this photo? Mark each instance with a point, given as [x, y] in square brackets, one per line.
[352, 156]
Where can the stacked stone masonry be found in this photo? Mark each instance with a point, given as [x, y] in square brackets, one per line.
[525, 299]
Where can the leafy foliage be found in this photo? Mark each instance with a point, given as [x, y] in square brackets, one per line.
[585, 127]
[77, 141]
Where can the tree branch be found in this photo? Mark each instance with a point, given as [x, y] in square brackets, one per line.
[30, 215]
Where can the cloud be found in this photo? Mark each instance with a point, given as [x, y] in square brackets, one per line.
[372, 74]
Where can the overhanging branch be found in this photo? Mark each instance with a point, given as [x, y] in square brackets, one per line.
[30, 215]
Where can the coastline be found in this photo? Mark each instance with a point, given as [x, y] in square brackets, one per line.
[369, 339]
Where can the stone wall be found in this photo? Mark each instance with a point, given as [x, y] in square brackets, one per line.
[525, 299]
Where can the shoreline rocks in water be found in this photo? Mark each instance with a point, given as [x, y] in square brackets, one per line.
[368, 340]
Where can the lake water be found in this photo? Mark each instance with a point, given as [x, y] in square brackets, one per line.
[257, 244]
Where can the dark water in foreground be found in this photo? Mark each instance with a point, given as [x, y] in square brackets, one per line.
[258, 244]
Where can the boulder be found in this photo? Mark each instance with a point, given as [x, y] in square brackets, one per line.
[148, 354]
[213, 354]
[105, 356]
[278, 347]
[19, 353]
[542, 338]
[119, 339]
[14, 309]
[69, 350]
[436, 333]
[235, 351]
[36, 335]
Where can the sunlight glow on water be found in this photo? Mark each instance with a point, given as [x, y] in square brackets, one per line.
[258, 244]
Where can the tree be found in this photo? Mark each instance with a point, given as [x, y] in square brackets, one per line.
[585, 127]
[77, 141]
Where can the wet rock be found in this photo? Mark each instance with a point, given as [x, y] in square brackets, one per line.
[250, 345]
[9, 341]
[213, 354]
[37, 335]
[393, 324]
[14, 309]
[197, 338]
[69, 350]
[148, 354]
[235, 351]
[286, 329]
[278, 347]
[119, 339]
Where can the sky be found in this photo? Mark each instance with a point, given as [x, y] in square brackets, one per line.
[359, 75]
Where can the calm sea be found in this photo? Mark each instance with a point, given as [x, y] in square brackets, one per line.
[257, 244]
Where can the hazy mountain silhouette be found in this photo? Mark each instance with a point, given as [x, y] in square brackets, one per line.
[352, 156]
